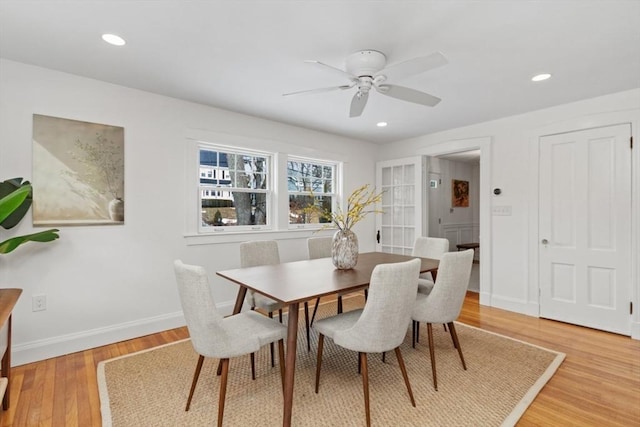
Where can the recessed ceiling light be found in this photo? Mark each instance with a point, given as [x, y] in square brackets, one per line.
[540, 77]
[381, 124]
[113, 39]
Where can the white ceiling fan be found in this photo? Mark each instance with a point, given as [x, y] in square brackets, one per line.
[365, 69]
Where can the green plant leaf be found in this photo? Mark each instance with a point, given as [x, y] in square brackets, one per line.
[10, 213]
[42, 236]
[13, 202]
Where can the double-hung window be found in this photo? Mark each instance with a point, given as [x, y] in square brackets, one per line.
[310, 183]
[235, 189]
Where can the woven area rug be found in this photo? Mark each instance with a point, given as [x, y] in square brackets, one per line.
[503, 376]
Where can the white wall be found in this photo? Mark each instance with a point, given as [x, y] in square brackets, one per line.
[108, 283]
[513, 142]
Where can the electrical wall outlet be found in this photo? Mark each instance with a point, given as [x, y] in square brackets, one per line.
[38, 302]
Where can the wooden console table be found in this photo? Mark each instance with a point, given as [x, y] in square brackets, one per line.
[473, 246]
[8, 299]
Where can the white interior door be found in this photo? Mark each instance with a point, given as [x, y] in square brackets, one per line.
[585, 227]
[401, 221]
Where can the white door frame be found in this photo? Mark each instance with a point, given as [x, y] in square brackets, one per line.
[484, 145]
[631, 116]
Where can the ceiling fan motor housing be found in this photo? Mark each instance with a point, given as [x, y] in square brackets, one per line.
[365, 63]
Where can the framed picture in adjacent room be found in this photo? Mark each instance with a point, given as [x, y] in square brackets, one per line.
[78, 172]
[459, 193]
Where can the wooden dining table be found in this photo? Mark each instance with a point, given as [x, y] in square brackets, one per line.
[292, 283]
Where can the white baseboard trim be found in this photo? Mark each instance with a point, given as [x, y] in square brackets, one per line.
[485, 298]
[47, 348]
[515, 305]
[65, 344]
[635, 330]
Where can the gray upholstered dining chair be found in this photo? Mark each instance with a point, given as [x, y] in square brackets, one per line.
[444, 302]
[380, 326]
[265, 252]
[429, 247]
[215, 336]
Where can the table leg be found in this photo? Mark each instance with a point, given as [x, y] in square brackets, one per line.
[434, 274]
[242, 292]
[6, 367]
[290, 366]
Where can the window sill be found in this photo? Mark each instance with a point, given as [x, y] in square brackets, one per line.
[243, 236]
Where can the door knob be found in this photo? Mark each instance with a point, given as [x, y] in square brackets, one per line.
[545, 241]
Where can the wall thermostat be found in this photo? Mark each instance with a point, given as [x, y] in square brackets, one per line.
[497, 191]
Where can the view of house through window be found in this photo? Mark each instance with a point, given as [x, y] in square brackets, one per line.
[310, 183]
[234, 188]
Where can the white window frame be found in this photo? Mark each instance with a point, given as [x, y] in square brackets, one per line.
[270, 210]
[336, 186]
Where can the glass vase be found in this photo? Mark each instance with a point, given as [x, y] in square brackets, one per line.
[344, 251]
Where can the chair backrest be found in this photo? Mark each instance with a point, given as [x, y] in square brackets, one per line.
[259, 252]
[198, 305]
[254, 254]
[430, 247]
[319, 247]
[444, 303]
[383, 323]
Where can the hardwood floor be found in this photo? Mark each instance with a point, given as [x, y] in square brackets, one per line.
[598, 384]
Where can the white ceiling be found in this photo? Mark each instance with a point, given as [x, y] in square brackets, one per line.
[243, 55]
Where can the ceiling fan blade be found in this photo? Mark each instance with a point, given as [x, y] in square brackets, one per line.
[358, 103]
[341, 73]
[407, 94]
[414, 66]
[320, 90]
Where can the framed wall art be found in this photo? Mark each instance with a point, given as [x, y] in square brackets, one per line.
[459, 193]
[78, 172]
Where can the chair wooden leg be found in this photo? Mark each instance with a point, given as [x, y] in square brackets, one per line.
[253, 366]
[271, 347]
[281, 360]
[196, 374]
[315, 310]
[366, 294]
[280, 315]
[339, 304]
[456, 343]
[432, 354]
[319, 361]
[306, 324]
[413, 334]
[223, 390]
[418, 332]
[384, 357]
[404, 375]
[365, 386]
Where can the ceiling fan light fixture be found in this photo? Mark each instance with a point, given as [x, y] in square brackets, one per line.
[540, 77]
[366, 70]
[382, 124]
[365, 63]
[113, 39]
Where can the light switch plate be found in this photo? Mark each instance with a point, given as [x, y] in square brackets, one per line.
[501, 210]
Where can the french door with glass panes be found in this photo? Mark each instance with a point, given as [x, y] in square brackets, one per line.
[401, 221]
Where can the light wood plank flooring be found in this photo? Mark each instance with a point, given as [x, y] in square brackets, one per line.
[598, 384]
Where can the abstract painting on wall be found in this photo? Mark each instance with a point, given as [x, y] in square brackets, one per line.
[459, 193]
[78, 172]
